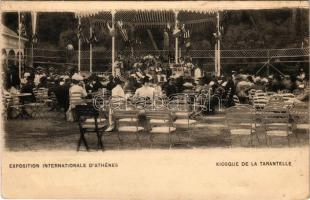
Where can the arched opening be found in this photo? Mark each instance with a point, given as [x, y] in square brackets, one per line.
[17, 58]
[11, 58]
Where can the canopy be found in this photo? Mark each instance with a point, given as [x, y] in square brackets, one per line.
[150, 18]
[93, 7]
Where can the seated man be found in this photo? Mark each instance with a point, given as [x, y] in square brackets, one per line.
[28, 88]
[170, 88]
[145, 91]
[76, 93]
[117, 92]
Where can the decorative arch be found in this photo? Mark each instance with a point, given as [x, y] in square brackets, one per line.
[4, 55]
[11, 57]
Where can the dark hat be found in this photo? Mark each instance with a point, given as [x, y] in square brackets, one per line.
[146, 79]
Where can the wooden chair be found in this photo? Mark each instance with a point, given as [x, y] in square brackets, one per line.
[240, 121]
[276, 99]
[127, 121]
[76, 99]
[89, 121]
[276, 122]
[6, 102]
[236, 100]
[259, 102]
[160, 128]
[182, 111]
[300, 116]
[118, 103]
[15, 106]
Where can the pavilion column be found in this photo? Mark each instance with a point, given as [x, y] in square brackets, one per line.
[34, 37]
[215, 59]
[113, 43]
[19, 47]
[217, 47]
[176, 38]
[90, 50]
[79, 50]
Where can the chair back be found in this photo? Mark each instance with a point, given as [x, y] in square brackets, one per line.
[84, 112]
[240, 117]
[76, 99]
[164, 117]
[118, 103]
[126, 118]
[121, 114]
[300, 113]
[160, 103]
[296, 92]
[276, 99]
[275, 117]
[259, 102]
[179, 102]
[288, 96]
[270, 93]
[236, 99]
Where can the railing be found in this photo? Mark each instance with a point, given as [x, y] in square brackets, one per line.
[100, 57]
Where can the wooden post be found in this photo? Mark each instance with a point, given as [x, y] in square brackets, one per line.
[19, 47]
[215, 59]
[79, 50]
[113, 43]
[32, 54]
[90, 50]
[218, 46]
[176, 38]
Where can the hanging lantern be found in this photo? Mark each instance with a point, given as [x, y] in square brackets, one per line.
[69, 50]
[176, 32]
[217, 36]
[34, 39]
[93, 38]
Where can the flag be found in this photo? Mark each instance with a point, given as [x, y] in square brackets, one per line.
[80, 34]
[21, 26]
[122, 31]
[93, 37]
[187, 41]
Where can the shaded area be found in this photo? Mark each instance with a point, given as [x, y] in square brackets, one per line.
[52, 132]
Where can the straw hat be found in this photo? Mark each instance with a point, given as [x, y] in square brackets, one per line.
[77, 77]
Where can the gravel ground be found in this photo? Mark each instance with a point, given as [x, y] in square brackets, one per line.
[51, 132]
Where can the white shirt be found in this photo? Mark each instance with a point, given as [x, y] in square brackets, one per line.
[197, 73]
[145, 91]
[37, 78]
[77, 77]
[157, 90]
[118, 91]
[76, 89]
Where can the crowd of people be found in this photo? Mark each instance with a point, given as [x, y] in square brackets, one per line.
[148, 77]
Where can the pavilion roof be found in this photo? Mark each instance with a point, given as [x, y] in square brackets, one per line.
[152, 18]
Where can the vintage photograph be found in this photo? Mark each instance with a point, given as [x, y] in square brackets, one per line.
[155, 79]
[155, 100]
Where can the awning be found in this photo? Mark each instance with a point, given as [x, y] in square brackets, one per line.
[91, 8]
[151, 18]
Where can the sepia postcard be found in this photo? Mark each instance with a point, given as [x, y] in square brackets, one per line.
[155, 100]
